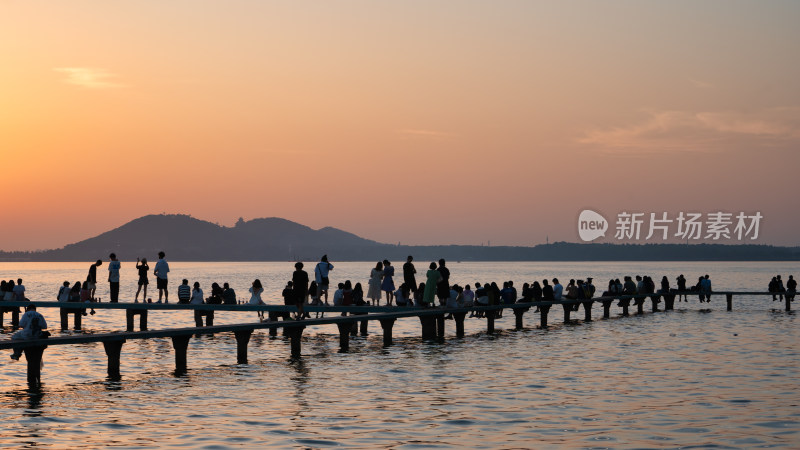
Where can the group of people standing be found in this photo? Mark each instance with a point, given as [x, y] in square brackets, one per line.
[779, 290]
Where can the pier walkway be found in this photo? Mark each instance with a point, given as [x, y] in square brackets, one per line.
[432, 321]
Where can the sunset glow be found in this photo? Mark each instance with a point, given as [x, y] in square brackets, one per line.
[413, 122]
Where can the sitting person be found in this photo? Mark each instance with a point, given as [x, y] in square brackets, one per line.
[228, 294]
[32, 324]
[184, 292]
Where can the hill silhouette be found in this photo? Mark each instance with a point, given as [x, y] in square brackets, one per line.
[186, 238]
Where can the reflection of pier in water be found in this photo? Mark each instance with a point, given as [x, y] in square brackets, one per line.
[432, 321]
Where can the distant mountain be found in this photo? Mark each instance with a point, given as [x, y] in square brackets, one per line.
[185, 238]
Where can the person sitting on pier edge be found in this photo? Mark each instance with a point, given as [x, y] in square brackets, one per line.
[536, 293]
[629, 288]
[143, 269]
[288, 299]
[63, 292]
[589, 286]
[184, 292]
[401, 297]
[338, 295]
[612, 289]
[19, 291]
[358, 295]
[481, 298]
[468, 297]
[558, 290]
[432, 278]
[32, 326]
[228, 294]
[197, 299]
[300, 285]
[781, 289]
[791, 288]
[255, 296]
[216, 295]
[321, 272]
[682, 287]
[347, 295]
[419, 294]
[526, 293]
[548, 294]
[773, 287]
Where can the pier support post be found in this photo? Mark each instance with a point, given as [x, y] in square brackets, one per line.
[518, 313]
[113, 350]
[543, 310]
[131, 313]
[459, 319]
[15, 318]
[440, 326]
[34, 357]
[607, 308]
[242, 339]
[344, 336]
[295, 335]
[65, 312]
[640, 305]
[490, 321]
[729, 301]
[567, 311]
[180, 344]
[273, 317]
[428, 326]
[788, 302]
[669, 302]
[363, 330]
[655, 299]
[587, 311]
[387, 325]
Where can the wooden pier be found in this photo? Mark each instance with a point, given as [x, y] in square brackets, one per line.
[432, 321]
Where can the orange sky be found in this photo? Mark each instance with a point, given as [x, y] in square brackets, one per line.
[415, 122]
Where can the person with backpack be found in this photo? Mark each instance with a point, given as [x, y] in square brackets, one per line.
[321, 272]
[32, 326]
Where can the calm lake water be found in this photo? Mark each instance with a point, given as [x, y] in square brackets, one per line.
[699, 376]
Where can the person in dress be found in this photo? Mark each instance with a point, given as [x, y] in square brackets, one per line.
[432, 279]
[255, 297]
[300, 285]
[375, 276]
[388, 282]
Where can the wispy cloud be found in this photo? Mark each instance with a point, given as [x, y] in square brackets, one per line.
[709, 131]
[425, 133]
[89, 77]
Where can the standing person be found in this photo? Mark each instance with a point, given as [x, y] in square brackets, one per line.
[113, 278]
[780, 287]
[31, 323]
[300, 285]
[705, 288]
[682, 288]
[433, 277]
[388, 282]
[443, 287]
[321, 272]
[409, 274]
[375, 276]
[184, 292]
[255, 298]
[161, 270]
[91, 280]
[143, 269]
